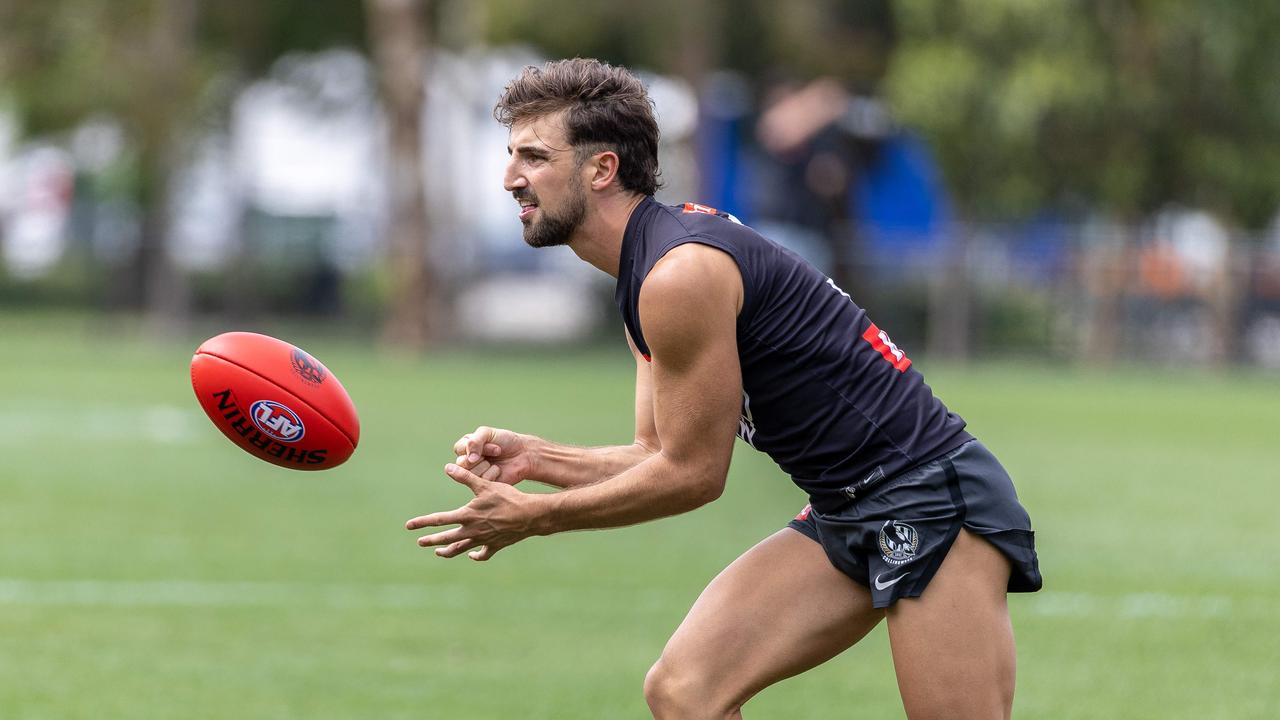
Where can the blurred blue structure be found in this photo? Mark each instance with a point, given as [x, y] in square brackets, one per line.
[898, 201]
[724, 142]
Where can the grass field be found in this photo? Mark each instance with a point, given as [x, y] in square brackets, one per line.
[148, 569]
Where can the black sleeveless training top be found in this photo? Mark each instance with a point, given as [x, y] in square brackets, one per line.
[825, 392]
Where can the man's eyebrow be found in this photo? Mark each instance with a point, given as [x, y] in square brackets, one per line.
[531, 150]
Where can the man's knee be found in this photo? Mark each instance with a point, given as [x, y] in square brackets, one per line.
[665, 690]
[673, 691]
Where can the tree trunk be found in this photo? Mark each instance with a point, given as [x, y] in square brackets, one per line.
[165, 291]
[1228, 302]
[949, 327]
[1106, 264]
[397, 35]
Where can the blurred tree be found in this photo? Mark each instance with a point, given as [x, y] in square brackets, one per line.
[1123, 106]
[849, 39]
[397, 34]
[132, 61]
[165, 70]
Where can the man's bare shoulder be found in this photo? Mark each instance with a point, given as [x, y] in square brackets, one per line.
[690, 302]
[696, 276]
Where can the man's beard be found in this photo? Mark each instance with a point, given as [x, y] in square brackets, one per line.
[558, 229]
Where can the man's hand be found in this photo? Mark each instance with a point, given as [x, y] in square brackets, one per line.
[507, 454]
[498, 516]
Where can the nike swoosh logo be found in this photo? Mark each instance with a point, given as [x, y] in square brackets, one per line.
[883, 585]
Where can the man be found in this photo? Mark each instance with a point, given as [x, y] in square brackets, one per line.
[911, 520]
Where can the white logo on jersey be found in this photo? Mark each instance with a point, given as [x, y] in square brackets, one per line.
[884, 337]
[746, 423]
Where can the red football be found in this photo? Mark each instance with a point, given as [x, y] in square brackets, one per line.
[275, 401]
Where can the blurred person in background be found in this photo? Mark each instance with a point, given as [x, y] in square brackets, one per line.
[911, 520]
[818, 139]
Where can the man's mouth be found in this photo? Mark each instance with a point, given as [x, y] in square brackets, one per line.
[526, 209]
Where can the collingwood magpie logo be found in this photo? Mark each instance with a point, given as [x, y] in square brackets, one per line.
[898, 542]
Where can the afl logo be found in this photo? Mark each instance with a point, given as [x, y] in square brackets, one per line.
[277, 421]
[898, 542]
[308, 368]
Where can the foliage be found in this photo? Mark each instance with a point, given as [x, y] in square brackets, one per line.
[850, 38]
[1121, 106]
[69, 59]
[164, 71]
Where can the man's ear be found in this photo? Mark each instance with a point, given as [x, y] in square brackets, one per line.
[602, 169]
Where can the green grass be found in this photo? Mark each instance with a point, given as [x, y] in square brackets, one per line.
[148, 569]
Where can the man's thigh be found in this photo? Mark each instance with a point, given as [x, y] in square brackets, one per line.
[778, 610]
[953, 646]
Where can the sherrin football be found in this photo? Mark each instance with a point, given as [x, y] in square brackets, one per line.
[275, 401]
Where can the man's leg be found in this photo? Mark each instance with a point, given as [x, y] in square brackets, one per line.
[953, 646]
[775, 612]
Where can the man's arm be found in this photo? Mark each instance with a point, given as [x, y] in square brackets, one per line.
[517, 456]
[689, 306]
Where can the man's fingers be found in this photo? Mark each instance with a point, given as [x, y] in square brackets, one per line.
[484, 552]
[442, 538]
[490, 473]
[490, 451]
[466, 477]
[454, 549]
[479, 468]
[476, 442]
[462, 448]
[452, 517]
[479, 439]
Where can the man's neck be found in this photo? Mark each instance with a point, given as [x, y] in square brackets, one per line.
[599, 238]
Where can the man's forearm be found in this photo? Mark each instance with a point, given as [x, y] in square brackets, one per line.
[656, 487]
[566, 466]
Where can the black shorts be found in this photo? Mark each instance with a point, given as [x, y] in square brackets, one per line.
[893, 538]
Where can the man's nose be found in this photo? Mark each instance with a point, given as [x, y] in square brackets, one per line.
[511, 180]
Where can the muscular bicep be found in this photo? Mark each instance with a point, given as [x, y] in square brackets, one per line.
[688, 307]
[646, 431]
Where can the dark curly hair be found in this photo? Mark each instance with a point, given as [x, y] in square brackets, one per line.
[608, 109]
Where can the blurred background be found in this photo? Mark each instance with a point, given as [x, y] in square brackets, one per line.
[1065, 211]
[1085, 181]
